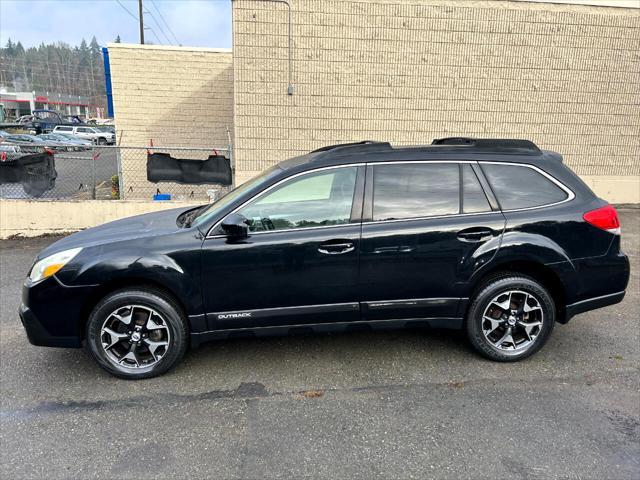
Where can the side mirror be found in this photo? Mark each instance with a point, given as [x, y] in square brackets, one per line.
[235, 226]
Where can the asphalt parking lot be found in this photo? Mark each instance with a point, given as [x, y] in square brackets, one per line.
[361, 405]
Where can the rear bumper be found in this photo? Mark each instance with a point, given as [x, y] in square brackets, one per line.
[593, 303]
[595, 282]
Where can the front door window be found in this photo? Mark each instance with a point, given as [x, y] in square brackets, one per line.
[317, 199]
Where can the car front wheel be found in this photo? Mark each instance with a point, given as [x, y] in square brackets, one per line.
[510, 318]
[137, 333]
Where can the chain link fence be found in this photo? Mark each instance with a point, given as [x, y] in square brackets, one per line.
[134, 183]
[100, 173]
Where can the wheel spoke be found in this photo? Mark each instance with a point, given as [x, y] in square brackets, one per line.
[528, 327]
[126, 319]
[505, 305]
[506, 337]
[526, 308]
[114, 337]
[153, 346]
[495, 323]
[131, 355]
[152, 325]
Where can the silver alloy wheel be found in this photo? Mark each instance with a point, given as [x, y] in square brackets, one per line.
[512, 321]
[135, 337]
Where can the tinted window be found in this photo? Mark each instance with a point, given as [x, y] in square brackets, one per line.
[473, 199]
[522, 187]
[63, 129]
[84, 130]
[311, 200]
[415, 190]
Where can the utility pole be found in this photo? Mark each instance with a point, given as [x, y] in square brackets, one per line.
[141, 22]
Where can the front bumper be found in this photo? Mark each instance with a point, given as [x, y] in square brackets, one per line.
[40, 336]
[52, 313]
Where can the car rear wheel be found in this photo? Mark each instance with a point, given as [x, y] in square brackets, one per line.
[137, 333]
[510, 318]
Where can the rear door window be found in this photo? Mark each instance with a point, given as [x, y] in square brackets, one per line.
[474, 199]
[519, 186]
[63, 129]
[414, 190]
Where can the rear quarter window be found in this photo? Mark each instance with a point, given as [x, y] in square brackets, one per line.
[519, 186]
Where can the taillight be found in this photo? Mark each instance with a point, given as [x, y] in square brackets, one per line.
[605, 218]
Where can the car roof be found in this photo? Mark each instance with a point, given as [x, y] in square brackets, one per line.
[453, 148]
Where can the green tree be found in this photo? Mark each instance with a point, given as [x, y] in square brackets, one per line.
[83, 53]
[10, 48]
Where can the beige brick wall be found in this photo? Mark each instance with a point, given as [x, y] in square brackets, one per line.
[565, 76]
[177, 96]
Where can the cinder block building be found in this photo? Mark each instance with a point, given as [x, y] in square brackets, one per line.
[307, 73]
[178, 96]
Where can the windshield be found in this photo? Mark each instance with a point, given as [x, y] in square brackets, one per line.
[214, 208]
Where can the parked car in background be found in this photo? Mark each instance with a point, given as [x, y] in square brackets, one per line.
[87, 133]
[44, 121]
[80, 142]
[24, 119]
[27, 143]
[496, 237]
[76, 119]
[8, 148]
[99, 121]
[69, 142]
[106, 128]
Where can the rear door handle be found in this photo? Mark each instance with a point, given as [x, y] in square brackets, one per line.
[393, 249]
[336, 247]
[475, 234]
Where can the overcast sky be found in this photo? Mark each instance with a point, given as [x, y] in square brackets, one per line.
[200, 23]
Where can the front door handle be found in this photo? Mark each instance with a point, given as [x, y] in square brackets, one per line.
[475, 234]
[336, 247]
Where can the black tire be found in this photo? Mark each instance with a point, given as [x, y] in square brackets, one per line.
[486, 293]
[102, 141]
[164, 305]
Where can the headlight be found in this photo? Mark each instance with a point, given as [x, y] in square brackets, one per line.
[53, 263]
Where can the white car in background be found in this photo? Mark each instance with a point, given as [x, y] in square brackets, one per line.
[87, 133]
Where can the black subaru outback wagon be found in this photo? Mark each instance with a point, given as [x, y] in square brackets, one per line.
[493, 236]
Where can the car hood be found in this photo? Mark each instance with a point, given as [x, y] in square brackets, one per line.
[139, 226]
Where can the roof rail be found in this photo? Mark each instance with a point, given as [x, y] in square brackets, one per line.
[497, 144]
[353, 144]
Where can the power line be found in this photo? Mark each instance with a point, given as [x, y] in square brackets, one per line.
[154, 34]
[164, 21]
[159, 26]
[127, 10]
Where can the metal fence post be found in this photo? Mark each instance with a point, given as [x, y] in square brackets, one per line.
[93, 174]
[232, 162]
[119, 161]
